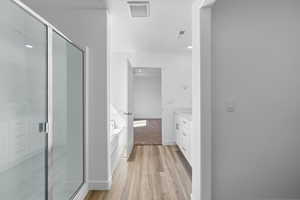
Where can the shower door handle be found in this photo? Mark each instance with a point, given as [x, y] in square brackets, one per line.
[128, 113]
[43, 127]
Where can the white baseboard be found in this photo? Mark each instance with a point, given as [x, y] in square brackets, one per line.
[82, 192]
[100, 185]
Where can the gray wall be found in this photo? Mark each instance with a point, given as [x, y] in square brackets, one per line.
[256, 67]
[88, 27]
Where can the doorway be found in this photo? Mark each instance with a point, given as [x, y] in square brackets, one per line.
[147, 106]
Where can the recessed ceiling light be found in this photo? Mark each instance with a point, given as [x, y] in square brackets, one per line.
[28, 46]
[190, 47]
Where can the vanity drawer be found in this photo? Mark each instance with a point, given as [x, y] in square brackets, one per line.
[183, 130]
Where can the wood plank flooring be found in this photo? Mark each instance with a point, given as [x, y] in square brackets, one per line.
[153, 172]
[150, 134]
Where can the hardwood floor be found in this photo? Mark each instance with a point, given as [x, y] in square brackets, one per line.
[150, 134]
[154, 172]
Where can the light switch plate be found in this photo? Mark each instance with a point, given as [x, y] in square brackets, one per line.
[230, 105]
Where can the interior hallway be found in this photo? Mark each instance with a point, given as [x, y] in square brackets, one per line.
[153, 172]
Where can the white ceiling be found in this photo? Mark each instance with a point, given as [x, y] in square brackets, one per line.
[157, 33]
[70, 3]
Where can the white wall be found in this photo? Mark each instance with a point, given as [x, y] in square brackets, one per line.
[256, 63]
[147, 96]
[118, 80]
[177, 92]
[88, 27]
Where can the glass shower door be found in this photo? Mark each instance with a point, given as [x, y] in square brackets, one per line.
[23, 104]
[68, 119]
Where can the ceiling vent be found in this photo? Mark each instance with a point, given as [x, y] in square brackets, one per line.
[139, 8]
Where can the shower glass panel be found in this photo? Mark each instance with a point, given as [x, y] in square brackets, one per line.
[68, 118]
[23, 104]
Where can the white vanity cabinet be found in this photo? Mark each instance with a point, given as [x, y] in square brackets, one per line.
[118, 145]
[183, 129]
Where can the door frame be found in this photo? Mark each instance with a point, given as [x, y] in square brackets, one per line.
[202, 100]
[162, 118]
[129, 112]
[82, 190]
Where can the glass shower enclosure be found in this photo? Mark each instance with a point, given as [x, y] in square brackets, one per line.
[41, 108]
